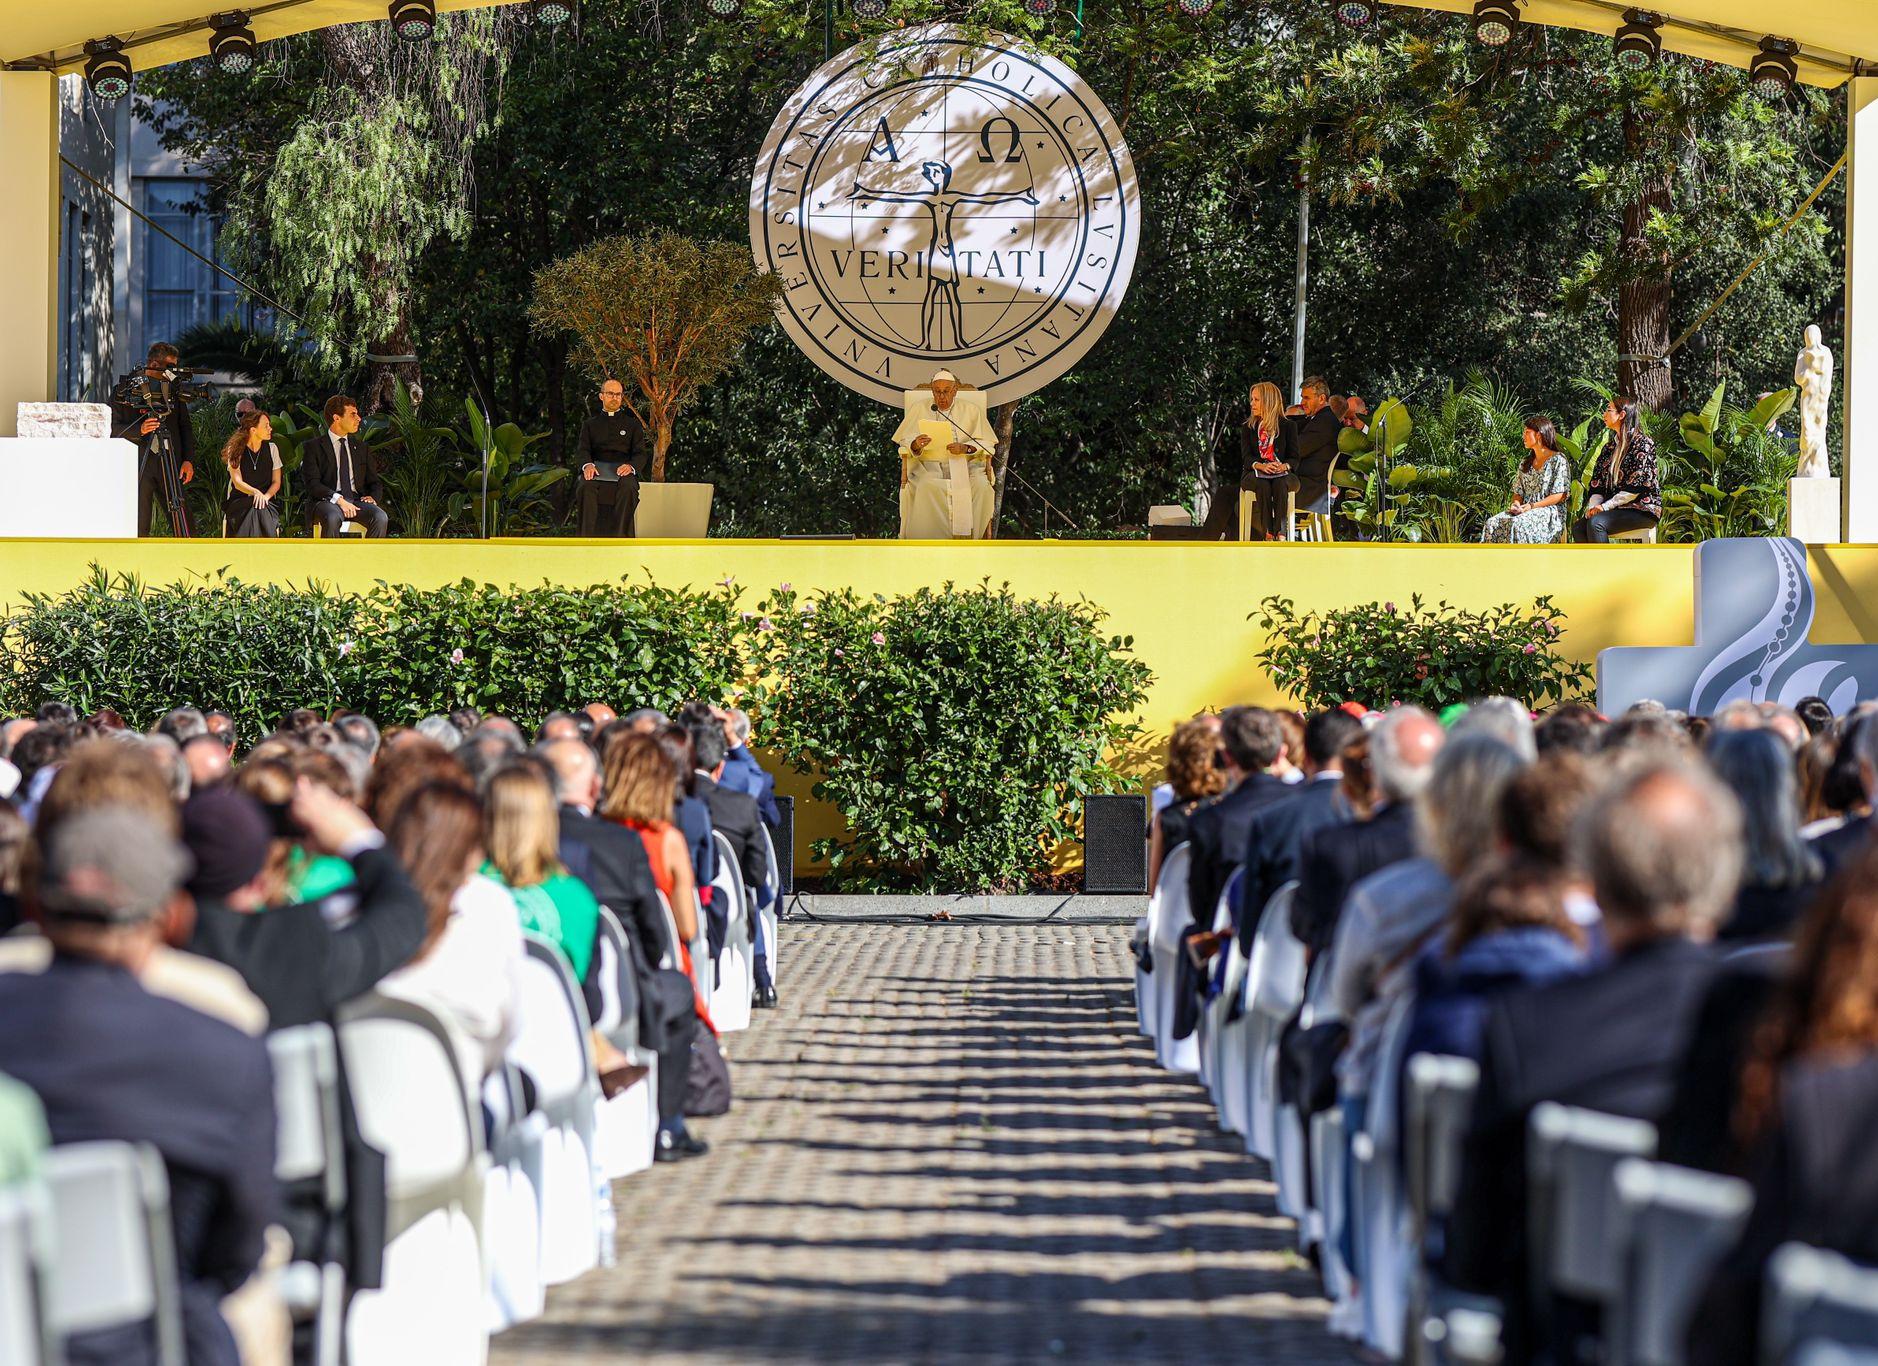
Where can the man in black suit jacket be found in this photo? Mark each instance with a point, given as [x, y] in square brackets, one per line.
[612, 861]
[339, 476]
[111, 1061]
[1334, 858]
[1663, 850]
[1317, 432]
[1271, 858]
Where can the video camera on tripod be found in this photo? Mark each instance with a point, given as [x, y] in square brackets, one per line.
[159, 397]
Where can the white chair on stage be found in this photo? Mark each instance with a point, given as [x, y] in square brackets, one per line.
[1274, 991]
[1819, 1308]
[735, 979]
[552, 1047]
[626, 1126]
[113, 1255]
[1168, 917]
[26, 1332]
[772, 913]
[1572, 1160]
[1672, 1226]
[309, 1154]
[408, 1095]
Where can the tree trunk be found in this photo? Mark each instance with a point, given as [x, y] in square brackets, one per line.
[661, 443]
[1643, 297]
[381, 377]
[1003, 418]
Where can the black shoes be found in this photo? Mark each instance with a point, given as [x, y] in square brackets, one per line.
[764, 997]
[674, 1148]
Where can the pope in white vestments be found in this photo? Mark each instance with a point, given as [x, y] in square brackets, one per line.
[946, 443]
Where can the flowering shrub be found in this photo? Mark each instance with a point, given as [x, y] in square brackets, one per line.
[956, 729]
[1378, 654]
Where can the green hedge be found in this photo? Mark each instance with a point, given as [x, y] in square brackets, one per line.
[956, 746]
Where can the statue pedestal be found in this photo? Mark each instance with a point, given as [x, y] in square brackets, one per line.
[1813, 511]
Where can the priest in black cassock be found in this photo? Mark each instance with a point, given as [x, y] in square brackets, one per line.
[607, 456]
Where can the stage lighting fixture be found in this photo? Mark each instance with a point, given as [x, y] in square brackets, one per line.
[1640, 40]
[869, 10]
[1773, 71]
[231, 43]
[1356, 13]
[550, 13]
[1040, 9]
[414, 20]
[1495, 21]
[107, 69]
[1194, 9]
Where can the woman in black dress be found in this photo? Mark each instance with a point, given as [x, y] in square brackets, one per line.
[1195, 775]
[1625, 492]
[1268, 450]
[253, 463]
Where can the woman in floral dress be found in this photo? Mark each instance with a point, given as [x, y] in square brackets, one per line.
[1536, 516]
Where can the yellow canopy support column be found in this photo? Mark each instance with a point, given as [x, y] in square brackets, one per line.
[29, 239]
[1859, 366]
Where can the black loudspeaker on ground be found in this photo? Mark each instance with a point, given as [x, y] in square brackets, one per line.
[1115, 846]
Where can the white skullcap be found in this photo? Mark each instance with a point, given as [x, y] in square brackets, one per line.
[944, 374]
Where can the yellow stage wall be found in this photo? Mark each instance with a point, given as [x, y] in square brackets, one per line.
[1184, 603]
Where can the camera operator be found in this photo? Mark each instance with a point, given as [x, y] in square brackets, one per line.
[150, 410]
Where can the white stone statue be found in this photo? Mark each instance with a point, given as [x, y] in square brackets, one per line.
[1812, 372]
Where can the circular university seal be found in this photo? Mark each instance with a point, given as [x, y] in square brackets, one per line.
[934, 198]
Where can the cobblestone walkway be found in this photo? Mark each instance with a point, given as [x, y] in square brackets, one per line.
[949, 1145]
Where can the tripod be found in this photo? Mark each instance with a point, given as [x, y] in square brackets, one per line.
[169, 474]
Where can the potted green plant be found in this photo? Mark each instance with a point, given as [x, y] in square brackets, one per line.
[1371, 472]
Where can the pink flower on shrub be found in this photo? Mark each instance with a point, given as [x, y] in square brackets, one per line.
[807, 609]
[728, 581]
[766, 625]
[785, 588]
[345, 648]
[880, 638]
[840, 653]
[456, 656]
[1530, 650]
[1389, 607]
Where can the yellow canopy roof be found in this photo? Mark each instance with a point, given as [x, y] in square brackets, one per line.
[1834, 35]
[51, 34]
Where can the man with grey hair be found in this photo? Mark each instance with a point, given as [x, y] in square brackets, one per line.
[742, 773]
[1661, 847]
[1333, 859]
[1505, 720]
[1838, 847]
[360, 731]
[442, 730]
[111, 1061]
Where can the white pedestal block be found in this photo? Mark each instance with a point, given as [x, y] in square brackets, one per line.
[673, 512]
[68, 487]
[1813, 511]
[65, 419]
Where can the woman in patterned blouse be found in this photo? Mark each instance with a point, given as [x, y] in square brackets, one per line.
[1624, 494]
[1536, 516]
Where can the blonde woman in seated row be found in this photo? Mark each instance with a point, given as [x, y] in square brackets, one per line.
[1536, 516]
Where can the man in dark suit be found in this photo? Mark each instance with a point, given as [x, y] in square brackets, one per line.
[1662, 847]
[111, 1061]
[166, 447]
[1271, 858]
[734, 815]
[339, 476]
[607, 455]
[612, 861]
[1218, 834]
[1317, 429]
[1334, 858]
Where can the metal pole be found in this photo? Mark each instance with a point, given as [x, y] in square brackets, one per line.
[828, 29]
[1079, 26]
[1304, 278]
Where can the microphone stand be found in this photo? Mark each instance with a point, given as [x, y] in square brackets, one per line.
[977, 445]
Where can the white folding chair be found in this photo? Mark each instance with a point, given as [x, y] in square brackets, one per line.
[1274, 991]
[1384, 1249]
[772, 913]
[552, 1047]
[1210, 1027]
[1572, 1158]
[1168, 916]
[669, 957]
[407, 1092]
[735, 979]
[1236, 1057]
[114, 1257]
[626, 1126]
[1437, 1105]
[1329, 1145]
[26, 1332]
[1672, 1226]
[1292, 1140]
[309, 1152]
[1819, 1306]
[511, 1218]
[1148, 985]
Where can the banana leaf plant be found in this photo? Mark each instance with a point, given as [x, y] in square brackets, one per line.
[1700, 505]
[1371, 474]
[1583, 447]
[517, 497]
